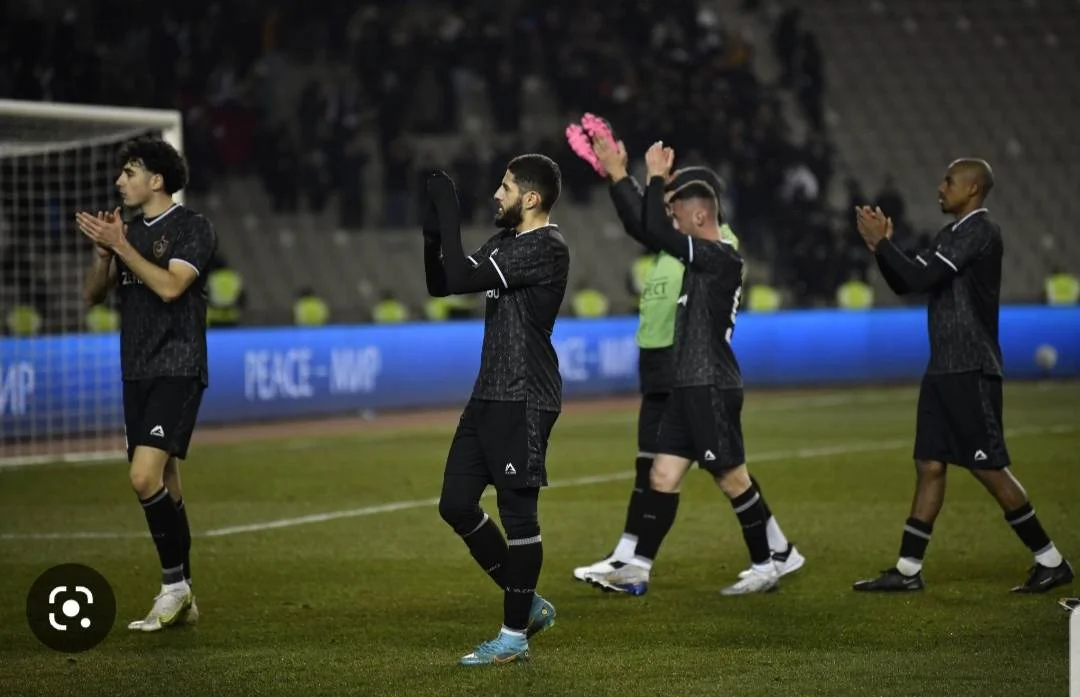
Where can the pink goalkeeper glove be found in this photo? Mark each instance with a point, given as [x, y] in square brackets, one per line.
[580, 136]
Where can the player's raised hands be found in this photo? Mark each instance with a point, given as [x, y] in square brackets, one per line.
[612, 156]
[443, 197]
[659, 160]
[873, 225]
[106, 230]
[442, 189]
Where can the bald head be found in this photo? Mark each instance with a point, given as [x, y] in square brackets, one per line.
[966, 185]
[975, 171]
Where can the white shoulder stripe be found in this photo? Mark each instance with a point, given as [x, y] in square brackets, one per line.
[941, 256]
[499, 271]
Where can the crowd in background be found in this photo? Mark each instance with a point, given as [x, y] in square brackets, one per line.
[327, 108]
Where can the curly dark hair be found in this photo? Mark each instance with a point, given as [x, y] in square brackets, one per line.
[157, 157]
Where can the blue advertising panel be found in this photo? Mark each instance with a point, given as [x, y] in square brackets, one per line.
[71, 384]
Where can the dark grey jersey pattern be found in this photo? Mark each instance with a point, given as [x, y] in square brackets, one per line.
[160, 339]
[963, 313]
[518, 361]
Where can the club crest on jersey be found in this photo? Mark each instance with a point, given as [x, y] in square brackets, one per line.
[160, 245]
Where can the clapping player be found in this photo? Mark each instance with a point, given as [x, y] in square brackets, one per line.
[594, 142]
[959, 415]
[502, 437]
[158, 261]
[702, 418]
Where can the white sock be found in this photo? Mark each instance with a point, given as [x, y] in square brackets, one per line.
[777, 541]
[1049, 556]
[517, 634]
[641, 563]
[624, 551]
[908, 566]
[174, 587]
[766, 569]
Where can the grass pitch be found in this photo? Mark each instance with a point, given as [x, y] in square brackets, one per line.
[322, 567]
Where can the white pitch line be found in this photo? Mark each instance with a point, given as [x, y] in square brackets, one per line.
[321, 517]
[797, 454]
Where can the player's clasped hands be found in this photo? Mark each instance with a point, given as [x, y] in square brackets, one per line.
[106, 229]
[611, 155]
[659, 160]
[874, 226]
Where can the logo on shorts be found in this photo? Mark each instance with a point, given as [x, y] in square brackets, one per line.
[157, 431]
[709, 457]
[980, 456]
[71, 608]
[510, 469]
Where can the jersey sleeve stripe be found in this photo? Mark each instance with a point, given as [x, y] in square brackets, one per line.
[499, 271]
[941, 256]
[921, 261]
[195, 268]
[474, 263]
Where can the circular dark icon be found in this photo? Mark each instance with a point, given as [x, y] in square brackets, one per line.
[71, 608]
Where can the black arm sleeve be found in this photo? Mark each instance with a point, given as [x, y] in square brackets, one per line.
[462, 276]
[434, 273]
[627, 196]
[658, 232]
[917, 275]
[895, 282]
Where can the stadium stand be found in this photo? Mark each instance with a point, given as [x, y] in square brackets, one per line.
[307, 137]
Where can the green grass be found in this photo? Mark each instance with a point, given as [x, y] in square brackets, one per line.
[384, 604]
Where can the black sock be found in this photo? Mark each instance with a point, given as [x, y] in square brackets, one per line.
[523, 561]
[916, 538]
[164, 522]
[1027, 527]
[751, 514]
[488, 548]
[185, 537]
[764, 503]
[642, 468]
[657, 516]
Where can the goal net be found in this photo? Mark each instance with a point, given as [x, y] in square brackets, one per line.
[60, 389]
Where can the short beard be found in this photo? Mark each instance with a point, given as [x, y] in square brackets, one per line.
[510, 217]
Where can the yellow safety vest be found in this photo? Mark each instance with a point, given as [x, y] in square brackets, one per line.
[854, 295]
[763, 298]
[102, 319]
[1062, 289]
[24, 320]
[639, 272]
[589, 302]
[223, 288]
[390, 312]
[311, 311]
[728, 235]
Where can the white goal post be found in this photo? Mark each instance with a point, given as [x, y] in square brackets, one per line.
[60, 389]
